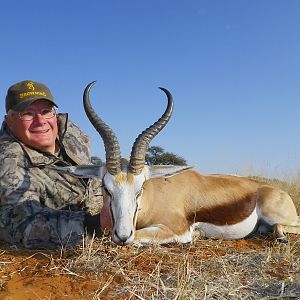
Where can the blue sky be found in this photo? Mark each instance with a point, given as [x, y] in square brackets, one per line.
[232, 66]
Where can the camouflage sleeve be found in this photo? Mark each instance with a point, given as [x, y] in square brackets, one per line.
[24, 220]
[39, 227]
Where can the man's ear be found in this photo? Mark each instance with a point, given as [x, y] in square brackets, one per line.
[8, 120]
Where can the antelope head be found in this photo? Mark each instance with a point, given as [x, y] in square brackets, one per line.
[122, 179]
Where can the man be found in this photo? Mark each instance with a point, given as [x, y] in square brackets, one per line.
[39, 207]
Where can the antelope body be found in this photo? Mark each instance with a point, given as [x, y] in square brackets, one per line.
[219, 206]
[169, 209]
[162, 204]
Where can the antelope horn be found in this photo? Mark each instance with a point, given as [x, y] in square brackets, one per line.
[111, 144]
[141, 144]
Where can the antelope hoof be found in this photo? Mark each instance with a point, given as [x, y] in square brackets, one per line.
[282, 240]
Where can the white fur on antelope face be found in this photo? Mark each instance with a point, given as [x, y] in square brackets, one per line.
[124, 189]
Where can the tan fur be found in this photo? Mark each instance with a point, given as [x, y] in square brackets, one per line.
[177, 202]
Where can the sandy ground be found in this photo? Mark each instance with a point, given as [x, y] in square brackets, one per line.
[30, 275]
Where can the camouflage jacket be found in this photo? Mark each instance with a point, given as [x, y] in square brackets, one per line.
[39, 207]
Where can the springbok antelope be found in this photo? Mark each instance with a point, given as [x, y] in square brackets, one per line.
[164, 204]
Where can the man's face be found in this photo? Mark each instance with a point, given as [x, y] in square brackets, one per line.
[39, 133]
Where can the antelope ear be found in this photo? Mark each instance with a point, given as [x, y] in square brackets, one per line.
[166, 171]
[81, 171]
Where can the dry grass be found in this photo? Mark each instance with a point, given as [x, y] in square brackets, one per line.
[255, 268]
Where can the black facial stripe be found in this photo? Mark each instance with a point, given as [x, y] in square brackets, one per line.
[111, 213]
[107, 191]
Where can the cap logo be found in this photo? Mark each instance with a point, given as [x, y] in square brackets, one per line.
[30, 85]
[32, 92]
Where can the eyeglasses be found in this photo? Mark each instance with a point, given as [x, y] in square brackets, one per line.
[46, 113]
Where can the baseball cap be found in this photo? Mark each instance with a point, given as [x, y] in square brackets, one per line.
[23, 93]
